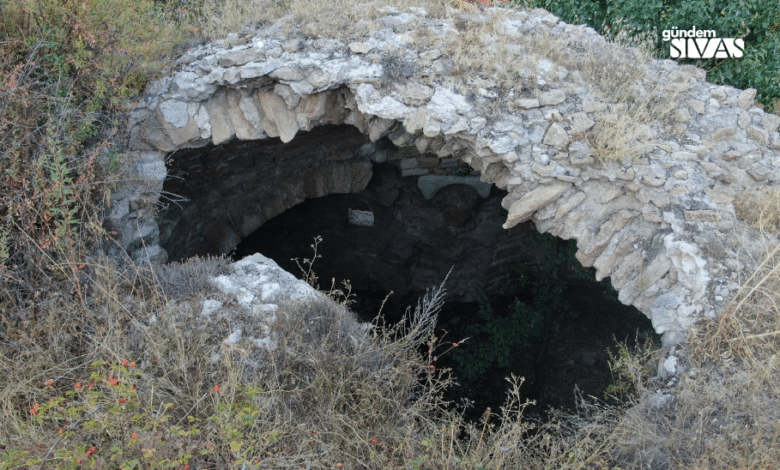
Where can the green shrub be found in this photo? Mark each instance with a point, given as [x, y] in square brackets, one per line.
[756, 21]
[493, 339]
[530, 317]
[65, 68]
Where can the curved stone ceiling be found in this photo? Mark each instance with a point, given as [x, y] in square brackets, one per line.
[638, 160]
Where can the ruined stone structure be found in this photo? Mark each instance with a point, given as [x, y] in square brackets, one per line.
[640, 162]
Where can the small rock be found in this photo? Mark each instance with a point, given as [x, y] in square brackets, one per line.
[360, 47]
[670, 365]
[746, 98]
[552, 97]
[759, 135]
[724, 133]
[528, 103]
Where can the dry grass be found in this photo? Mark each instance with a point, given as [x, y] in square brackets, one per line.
[760, 209]
[338, 18]
[624, 133]
[129, 378]
[328, 388]
[332, 392]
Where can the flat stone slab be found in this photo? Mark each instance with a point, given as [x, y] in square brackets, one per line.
[361, 218]
[431, 184]
[532, 201]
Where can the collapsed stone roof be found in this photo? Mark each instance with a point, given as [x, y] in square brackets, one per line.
[639, 160]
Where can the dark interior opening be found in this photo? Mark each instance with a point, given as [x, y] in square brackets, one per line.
[527, 306]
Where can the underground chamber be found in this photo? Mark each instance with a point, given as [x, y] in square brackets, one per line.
[394, 227]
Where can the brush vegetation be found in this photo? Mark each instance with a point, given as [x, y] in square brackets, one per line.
[114, 367]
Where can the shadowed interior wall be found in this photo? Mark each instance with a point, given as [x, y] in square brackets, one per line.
[231, 189]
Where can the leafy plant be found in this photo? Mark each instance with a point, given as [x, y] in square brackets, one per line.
[493, 338]
[755, 21]
[120, 429]
[530, 317]
[65, 68]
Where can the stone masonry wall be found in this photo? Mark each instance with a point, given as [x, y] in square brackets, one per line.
[643, 177]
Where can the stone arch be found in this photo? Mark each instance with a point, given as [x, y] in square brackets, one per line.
[658, 224]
